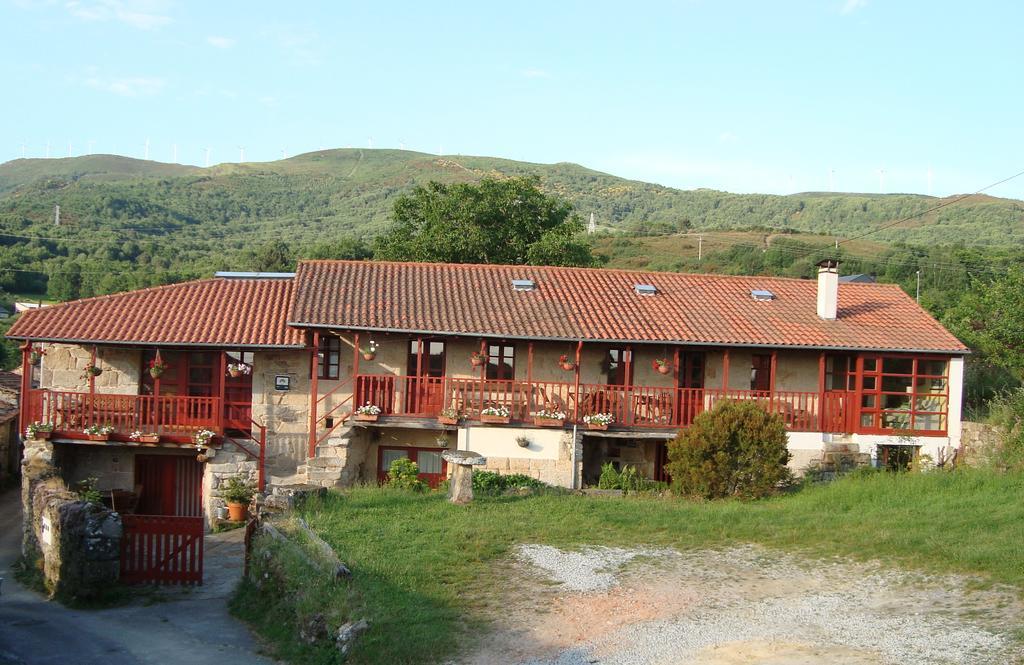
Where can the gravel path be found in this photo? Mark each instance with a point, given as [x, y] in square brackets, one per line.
[748, 605]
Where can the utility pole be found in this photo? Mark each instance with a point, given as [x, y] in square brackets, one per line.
[700, 248]
[56, 215]
[918, 287]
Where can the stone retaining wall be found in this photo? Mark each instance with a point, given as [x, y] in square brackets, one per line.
[979, 441]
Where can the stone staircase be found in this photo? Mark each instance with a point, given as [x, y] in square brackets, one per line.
[334, 465]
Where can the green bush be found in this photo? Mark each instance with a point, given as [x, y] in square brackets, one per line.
[491, 482]
[609, 479]
[734, 450]
[404, 474]
[237, 490]
[1007, 411]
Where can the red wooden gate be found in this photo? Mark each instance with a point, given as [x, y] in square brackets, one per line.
[162, 549]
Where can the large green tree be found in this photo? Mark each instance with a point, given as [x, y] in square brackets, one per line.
[990, 320]
[509, 221]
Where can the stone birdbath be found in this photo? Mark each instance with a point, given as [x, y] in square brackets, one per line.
[460, 489]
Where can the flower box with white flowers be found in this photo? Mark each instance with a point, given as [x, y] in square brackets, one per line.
[547, 418]
[98, 432]
[367, 413]
[497, 415]
[39, 430]
[139, 436]
[599, 421]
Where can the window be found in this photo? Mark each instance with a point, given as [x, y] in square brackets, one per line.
[329, 364]
[901, 393]
[501, 362]
[616, 363]
[761, 372]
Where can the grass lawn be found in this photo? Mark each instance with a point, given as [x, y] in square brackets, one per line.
[423, 567]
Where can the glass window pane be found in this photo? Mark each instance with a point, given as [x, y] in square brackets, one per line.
[896, 384]
[869, 401]
[930, 403]
[896, 402]
[896, 420]
[429, 461]
[867, 419]
[930, 385]
[897, 365]
[870, 383]
[870, 364]
[389, 456]
[932, 367]
[932, 422]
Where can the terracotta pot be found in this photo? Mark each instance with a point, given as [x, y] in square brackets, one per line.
[664, 369]
[568, 367]
[237, 512]
[98, 437]
[235, 373]
[201, 458]
[155, 373]
[149, 438]
[43, 436]
[444, 420]
[369, 355]
[548, 422]
[367, 418]
[596, 426]
[499, 420]
[476, 362]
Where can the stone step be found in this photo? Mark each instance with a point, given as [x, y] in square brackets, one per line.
[284, 481]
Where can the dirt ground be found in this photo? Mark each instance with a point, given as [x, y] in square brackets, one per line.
[740, 606]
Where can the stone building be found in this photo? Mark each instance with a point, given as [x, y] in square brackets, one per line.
[474, 357]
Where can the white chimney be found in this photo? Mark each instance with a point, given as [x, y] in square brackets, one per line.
[828, 289]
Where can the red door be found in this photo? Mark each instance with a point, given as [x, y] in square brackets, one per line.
[691, 387]
[424, 387]
[433, 468]
[169, 485]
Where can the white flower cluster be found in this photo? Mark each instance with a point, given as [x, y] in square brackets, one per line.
[599, 419]
[553, 415]
[499, 411]
[368, 410]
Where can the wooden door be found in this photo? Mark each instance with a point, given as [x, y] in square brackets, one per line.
[169, 485]
[424, 388]
[238, 394]
[691, 387]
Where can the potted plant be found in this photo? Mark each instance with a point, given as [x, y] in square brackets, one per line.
[495, 414]
[368, 413]
[38, 430]
[202, 438]
[371, 351]
[92, 370]
[157, 367]
[477, 359]
[598, 420]
[662, 365]
[98, 432]
[138, 436]
[35, 357]
[237, 493]
[522, 442]
[238, 369]
[449, 416]
[565, 363]
[549, 418]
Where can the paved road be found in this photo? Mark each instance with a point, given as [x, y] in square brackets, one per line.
[187, 627]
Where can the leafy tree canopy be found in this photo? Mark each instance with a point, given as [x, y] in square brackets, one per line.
[990, 319]
[508, 221]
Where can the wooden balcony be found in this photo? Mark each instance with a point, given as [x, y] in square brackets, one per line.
[169, 415]
[629, 406]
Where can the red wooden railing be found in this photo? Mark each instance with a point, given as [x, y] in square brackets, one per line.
[162, 549]
[166, 414]
[630, 406]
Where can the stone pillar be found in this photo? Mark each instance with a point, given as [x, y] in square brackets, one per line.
[37, 470]
[460, 486]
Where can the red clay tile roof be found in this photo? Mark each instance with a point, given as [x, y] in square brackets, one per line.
[600, 304]
[208, 312]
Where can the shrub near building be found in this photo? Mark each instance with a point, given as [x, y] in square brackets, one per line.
[734, 450]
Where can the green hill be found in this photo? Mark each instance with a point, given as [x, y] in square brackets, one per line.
[127, 222]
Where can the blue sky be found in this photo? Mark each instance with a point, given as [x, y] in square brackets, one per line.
[741, 96]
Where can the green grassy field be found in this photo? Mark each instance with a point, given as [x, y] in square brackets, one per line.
[415, 556]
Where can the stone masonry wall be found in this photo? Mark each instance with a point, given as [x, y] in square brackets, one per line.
[63, 367]
[285, 413]
[979, 442]
[560, 472]
[224, 464]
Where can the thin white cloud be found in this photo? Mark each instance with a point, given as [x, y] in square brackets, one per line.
[728, 137]
[850, 6]
[535, 74]
[137, 86]
[220, 42]
[141, 14]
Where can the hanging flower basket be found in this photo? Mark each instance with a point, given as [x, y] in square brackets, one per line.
[92, 370]
[371, 351]
[662, 366]
[236, 370]
[477, 359]
[565, 363]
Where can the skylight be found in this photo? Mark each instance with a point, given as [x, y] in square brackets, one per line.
[523, 285]
[762, 294]
[645, 289]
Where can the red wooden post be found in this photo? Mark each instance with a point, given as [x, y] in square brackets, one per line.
[222, 391]
[26, 385]
[822, 415]
[483, 371]
[725, 373]
[679, 392]
[355, 372]
[314, 398]
[771, 381]
[576, 388]
[853, 411]
[529, 377]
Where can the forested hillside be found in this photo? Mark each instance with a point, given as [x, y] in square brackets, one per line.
[126, 223]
